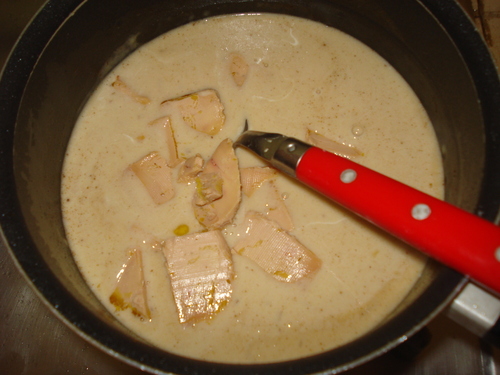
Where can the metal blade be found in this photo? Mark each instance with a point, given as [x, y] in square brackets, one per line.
[280, 151]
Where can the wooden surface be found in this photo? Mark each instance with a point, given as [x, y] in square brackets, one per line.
[486, 15]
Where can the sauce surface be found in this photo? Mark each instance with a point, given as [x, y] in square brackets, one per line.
[302, 76]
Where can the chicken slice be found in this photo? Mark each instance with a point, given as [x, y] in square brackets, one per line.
[123, 87]
[156, 176]
[238, 68]
[220, 212]
[201, 272]
[190, 168]
[252, 178]
[173, 154]
[259, 186]
[130, 291]
[202, 110]
[340, 149]
[275, 250]
[208, 188]
[276, 209]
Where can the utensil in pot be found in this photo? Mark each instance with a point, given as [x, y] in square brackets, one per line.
[447, 233]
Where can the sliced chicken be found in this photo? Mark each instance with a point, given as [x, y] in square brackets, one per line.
[124, 88]
[238, 68]
[208, 188]
[202, 110]
[156, 176]
[252, 178]
[220, 212]
[190, 168]
[130, 291]
[173, 154]
[258, 184]
[318, 140]
[201, 272]
[275, 250]
[276, 209]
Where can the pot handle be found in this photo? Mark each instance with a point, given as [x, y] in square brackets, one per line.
[478, 311]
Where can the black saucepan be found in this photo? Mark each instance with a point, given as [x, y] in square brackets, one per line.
[71, 45]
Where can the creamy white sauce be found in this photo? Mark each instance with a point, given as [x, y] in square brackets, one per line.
[302, 75]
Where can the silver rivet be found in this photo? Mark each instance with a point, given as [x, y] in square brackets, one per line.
[348, 176]
[497, 254]
[291, 147]
[420, 211]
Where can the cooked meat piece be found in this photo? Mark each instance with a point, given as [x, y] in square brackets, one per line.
[337, 148]
[220, 212]
[201, 272]
[238, 68]
[190, 168]
[252, 178]
[276, 209]
[123, 87]
[202, 110]
[275, 250]
[208, 188]
[156, 176]
[130, 291]
[173, 155]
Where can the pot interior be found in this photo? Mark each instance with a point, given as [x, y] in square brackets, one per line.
[98, 35]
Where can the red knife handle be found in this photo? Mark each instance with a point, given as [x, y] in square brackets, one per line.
[459, 239]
